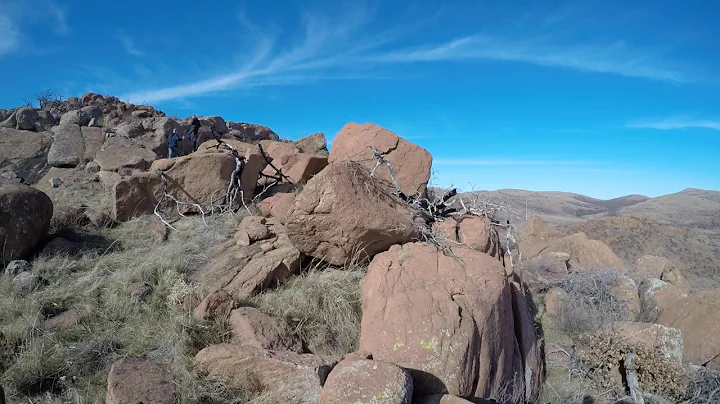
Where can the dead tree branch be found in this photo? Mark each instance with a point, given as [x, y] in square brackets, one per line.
[632, 379]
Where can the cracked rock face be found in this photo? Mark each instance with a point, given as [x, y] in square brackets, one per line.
[447, 319]
[367, 381]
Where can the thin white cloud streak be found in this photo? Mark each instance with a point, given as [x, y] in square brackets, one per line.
[507, 162]
[9, 35]
[332, 43]
[58, 14]
[128, 45]
[614, 58]
[677, 123]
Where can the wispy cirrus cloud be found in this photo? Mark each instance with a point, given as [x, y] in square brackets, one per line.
[599, 58]
[677, 123]
[59, 15]
[9, 36]
[342, 43]
[507, 162]
[128, 44]
[16, 16]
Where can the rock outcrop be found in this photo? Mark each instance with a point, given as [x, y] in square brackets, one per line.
[135, 380]
[696, 316]
[24, 153]
[341, 213]
[367, 381]
[286, 377]
[25, 215]
[411, 162]
[449, 320]
[200, 178]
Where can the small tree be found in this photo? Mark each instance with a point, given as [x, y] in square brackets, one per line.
[49, 98]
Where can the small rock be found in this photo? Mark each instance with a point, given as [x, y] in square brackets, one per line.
[63, 321]
[25, 282]
[216, 305]
[135, 380]
[94, 122]
[61, 246]
[553, 300]
[99, 220]
[140, 291]
[92, 167]
[158, 231]
[11, 176]
[55, 182]
[367, 381]
[252, 327]
[16, 266]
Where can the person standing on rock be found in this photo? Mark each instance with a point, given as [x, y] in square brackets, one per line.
[173, 142]
[195, 132]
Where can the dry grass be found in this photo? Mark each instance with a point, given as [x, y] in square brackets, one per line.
[72, 363]
[705, 387]
[590, 304]
[321, 307]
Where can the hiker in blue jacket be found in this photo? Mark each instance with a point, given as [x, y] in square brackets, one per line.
[173, 143]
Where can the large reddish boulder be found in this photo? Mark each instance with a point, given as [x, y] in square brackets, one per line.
[474, 231]
[367, 381]
[341, 212]
[449, 319]
[278, 205]
[254, 328]
[411, 162]
[314, 144]
[25, 215]
[298, 167]
[199, 178]
[118, 156]
[284, 377]
[697, 318]
[24, 153]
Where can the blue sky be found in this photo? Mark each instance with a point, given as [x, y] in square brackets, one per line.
[603, 98]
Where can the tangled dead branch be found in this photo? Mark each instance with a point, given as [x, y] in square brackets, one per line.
[441, 208]
[233, 199]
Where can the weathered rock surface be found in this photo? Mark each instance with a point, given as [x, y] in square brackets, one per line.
[298, 167]
[586, 254]
[339, 213]
[116, 157]
[251, 132]
[68, 147]
[277, 206]
[367, 381]
[626, 290]
[448, 320]
[663, 269]
[667, 341]
[696, 316]
[411, 162]
[198, 178]
[24, 153]
[252, 327]
[135, 380]
[78, 117]
[25, 215]
[242, 271]
[659, 295]
[314, 144]
[286, 377]
[474, 231]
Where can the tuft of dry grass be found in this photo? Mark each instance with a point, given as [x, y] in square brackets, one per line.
[72, 363]
[321, 307]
